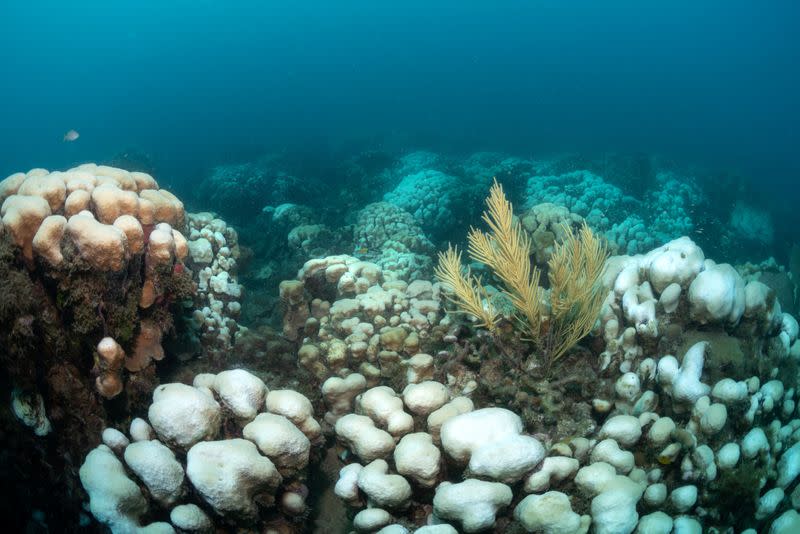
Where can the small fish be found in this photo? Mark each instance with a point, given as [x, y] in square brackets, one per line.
[362, 250]
[71, 135]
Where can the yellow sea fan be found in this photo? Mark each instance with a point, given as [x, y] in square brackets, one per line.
[506, 250]
[576, 294]
[575, 268]
[467, 291]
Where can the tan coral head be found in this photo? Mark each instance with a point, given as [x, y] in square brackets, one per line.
[106, 209]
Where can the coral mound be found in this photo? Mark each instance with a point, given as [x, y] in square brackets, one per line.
[246, 463]
[91, 261]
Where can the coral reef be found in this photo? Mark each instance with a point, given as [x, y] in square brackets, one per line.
[213, 256]
[241, 448]
[91, 264]
[101, 252]
[584, 193]
[668, 439]
[651, 391]
[632, 225]
[438, 201]
[391, 238]
[429, 196]
[240, 191]
[349, 319]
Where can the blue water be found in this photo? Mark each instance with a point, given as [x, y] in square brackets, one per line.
[193, 84]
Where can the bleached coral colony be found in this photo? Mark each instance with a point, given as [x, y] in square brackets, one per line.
[679, 413]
